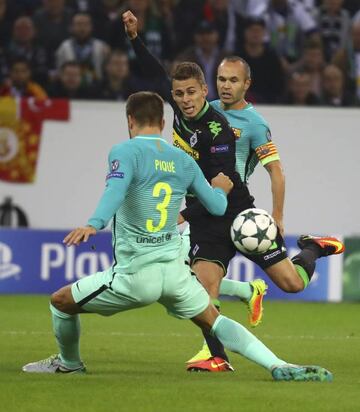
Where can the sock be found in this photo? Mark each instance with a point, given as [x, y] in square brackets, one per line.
[238, 339]
[215, 346]
[67, 332]
[229, 287]
[305, 262]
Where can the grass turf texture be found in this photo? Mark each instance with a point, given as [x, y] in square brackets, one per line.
[136, 361]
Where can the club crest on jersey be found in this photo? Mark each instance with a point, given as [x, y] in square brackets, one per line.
[237, 132]
[115, 165]
[193, 140]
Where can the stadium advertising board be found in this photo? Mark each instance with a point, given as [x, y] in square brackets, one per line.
[36, 261]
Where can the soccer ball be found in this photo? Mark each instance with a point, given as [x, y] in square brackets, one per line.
[253, 231]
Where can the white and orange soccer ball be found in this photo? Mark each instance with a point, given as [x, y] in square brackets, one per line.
[253, 231]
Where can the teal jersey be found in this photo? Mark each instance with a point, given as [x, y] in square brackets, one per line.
[147, 180]
[253, 138]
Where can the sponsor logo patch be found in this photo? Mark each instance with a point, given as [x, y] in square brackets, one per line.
[181, 144]
[119, 175]
[272, 255]
[222, 148]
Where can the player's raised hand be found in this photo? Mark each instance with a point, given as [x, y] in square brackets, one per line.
[131, 24]
[78, 235]
[223, 182]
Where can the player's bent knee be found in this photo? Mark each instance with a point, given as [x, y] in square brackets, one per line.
[62, 300]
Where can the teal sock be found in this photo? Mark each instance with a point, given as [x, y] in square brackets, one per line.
[238, 339]
[229, 287]
[67, 332]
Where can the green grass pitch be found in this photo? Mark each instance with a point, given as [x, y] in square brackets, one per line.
[136, 361]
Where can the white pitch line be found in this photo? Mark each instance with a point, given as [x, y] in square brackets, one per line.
[182, 335]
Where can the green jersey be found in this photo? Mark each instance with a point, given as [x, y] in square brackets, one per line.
[147, 180]
[253, 138]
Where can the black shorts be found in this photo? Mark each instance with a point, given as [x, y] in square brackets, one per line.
[210, 241]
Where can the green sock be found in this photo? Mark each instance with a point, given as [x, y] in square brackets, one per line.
[243, 290]
[67, 332]
[238, 339]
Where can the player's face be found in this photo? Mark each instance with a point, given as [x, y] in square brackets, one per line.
[232, 84]
[189, 95]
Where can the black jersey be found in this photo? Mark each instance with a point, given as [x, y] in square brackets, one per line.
[208, 138]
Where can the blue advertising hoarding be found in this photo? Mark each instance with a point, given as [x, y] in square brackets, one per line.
[36, 261]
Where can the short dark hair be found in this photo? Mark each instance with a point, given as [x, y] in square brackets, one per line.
[147, 108]
[233, 59]
[188, 70]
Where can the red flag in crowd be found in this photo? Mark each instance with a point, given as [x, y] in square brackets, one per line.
[20, 132]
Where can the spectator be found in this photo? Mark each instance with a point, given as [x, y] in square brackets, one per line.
[52, 23]
[267, 73]
[206, 53]
[152, 29]
[88, 51]
[334, 93]
[70, 85]
[5, 24]
[348, 60]
[222, 14]
[299, 90]
[20, 83]
[313, 63]
[23, 44]
[334, 24]
[118, 84]
[187, 14]
[288, 25]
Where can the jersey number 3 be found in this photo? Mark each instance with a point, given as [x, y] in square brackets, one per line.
[161, 207]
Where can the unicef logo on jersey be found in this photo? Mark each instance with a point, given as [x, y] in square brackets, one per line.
[7, 268]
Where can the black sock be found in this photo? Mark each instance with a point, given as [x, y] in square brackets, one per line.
[215, 346]
[307, 258]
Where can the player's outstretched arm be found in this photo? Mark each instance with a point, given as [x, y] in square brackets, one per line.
[151, 66]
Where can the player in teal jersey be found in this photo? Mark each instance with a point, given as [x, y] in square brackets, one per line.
[146, 183]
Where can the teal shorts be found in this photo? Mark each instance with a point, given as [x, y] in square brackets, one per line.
[170, 283]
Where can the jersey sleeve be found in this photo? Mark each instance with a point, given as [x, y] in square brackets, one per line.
[261, 142]
[213, 199]
[151, 66]
[121, 171]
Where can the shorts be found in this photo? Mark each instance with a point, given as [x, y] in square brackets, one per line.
[172, 284]
[200, 245]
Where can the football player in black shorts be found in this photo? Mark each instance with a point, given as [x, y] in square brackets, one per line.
[204, 134]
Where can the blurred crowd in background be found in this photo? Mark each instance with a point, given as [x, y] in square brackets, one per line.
[301, 52]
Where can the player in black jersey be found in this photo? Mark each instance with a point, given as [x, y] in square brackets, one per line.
[204, 134]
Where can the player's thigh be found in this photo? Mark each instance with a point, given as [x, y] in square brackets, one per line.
[182, 294]
[107, 293]
[209, 274]
[94, 293]
[63, 300]
[285, 276]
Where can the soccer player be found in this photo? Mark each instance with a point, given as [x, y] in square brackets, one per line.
[201, 132]
[146, 183]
